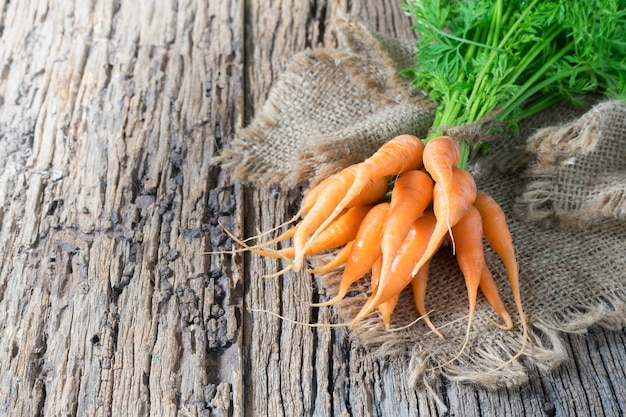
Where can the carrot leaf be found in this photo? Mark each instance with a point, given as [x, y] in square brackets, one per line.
[506, 60]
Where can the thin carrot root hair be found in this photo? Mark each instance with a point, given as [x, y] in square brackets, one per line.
[419, 284]
[285, 235]
[326, 325]
[406, 326]
[519, 353]
[266, 252]
[300, 323]
[259, 248]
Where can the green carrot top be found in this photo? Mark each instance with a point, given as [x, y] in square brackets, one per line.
[506, 60]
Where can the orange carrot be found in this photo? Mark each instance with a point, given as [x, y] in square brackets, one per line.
[411, 194]
[490, 291]
[419, 284]
[399, 276]
[338, 233]
[468, 237]
[316, 219]
[340, 258]
[341, 231]
[310, 196]
[450, 205]
[497, 234]
[399, 155]
[385, 309]
[441, 156]
[341, 180]
[365, 250]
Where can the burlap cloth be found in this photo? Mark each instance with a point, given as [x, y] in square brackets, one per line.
[561, 181]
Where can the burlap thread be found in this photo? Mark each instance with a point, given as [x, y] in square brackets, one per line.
[563, 191]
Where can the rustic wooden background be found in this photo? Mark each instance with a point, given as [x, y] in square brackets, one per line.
[109, 113]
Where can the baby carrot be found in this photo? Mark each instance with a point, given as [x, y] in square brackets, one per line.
[365, 250]
[399, 155]
[468, 237]
[449, 205]
[345, 176]
[316, 220]
[400, 275]
[411, 194]
[499, 237]
[338, 233]
[419, 284]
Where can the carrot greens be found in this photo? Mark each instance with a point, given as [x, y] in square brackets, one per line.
[497, 60]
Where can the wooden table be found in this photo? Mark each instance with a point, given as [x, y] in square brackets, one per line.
[109, 114]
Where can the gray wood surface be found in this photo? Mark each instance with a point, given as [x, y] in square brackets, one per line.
[109, 114]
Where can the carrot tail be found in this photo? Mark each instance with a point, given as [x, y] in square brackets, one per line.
[268, 253]
[340, 257]
[386, 310]
[419, 284]
[286, 235]
[490, 291]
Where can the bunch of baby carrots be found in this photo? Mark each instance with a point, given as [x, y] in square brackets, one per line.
[431, 201]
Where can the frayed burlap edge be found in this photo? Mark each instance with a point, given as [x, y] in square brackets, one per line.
[245, 156]
[599, 195]
[269, 152]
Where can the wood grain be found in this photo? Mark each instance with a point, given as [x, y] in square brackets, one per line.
[110, 113]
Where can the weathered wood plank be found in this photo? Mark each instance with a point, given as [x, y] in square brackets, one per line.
[110, 114]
